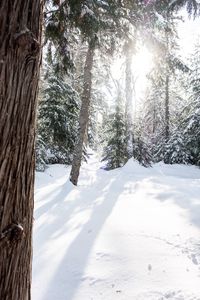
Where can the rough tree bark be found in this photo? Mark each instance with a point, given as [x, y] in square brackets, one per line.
[84, 113]
[20, 37]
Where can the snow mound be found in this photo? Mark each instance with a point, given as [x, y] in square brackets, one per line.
[133, 166]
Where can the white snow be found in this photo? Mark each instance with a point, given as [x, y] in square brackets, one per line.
[129, 234]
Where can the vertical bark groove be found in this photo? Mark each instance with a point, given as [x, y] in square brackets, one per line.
[20, 37]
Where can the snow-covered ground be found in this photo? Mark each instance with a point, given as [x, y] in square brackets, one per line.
[129, 234]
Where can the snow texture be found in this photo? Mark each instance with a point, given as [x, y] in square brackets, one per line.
[128, 234]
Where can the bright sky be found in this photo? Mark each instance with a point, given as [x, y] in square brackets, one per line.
[188, 32]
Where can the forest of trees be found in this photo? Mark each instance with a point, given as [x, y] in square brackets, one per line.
[81, 104]
[78, 79]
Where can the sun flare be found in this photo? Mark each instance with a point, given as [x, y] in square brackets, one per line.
[142, 62]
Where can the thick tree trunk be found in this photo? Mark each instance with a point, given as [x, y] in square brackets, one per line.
[84, 114]
[20, 37]
[167, 108]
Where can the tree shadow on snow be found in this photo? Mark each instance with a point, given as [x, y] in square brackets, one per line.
[69, 273]
[184, 192]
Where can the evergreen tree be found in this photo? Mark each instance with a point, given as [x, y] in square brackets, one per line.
[165, 85]
[184, 146]
[115, 151]
[192, 6]
[152, 112]
[57, 122]
[175, 150]
[194, 82]
[192, 121]
[141, 151]
[192, 134]
[41, 156]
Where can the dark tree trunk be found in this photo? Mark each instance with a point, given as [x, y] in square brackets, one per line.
[20, 37]
[167, 108]
[84, 114]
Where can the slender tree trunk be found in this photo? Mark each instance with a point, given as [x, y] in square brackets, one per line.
[84, 114]
[129, 98]
[154, 117]
[167, 116]
[20, 37]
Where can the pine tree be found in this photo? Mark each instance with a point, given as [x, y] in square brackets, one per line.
[141, 151]
[57, 122]
[192, 6]
[192, 136]
[194, 82]
[192, 121]
[165, 83]
[176, 151]
[115, 151]
[41, 156]
[184, 146]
